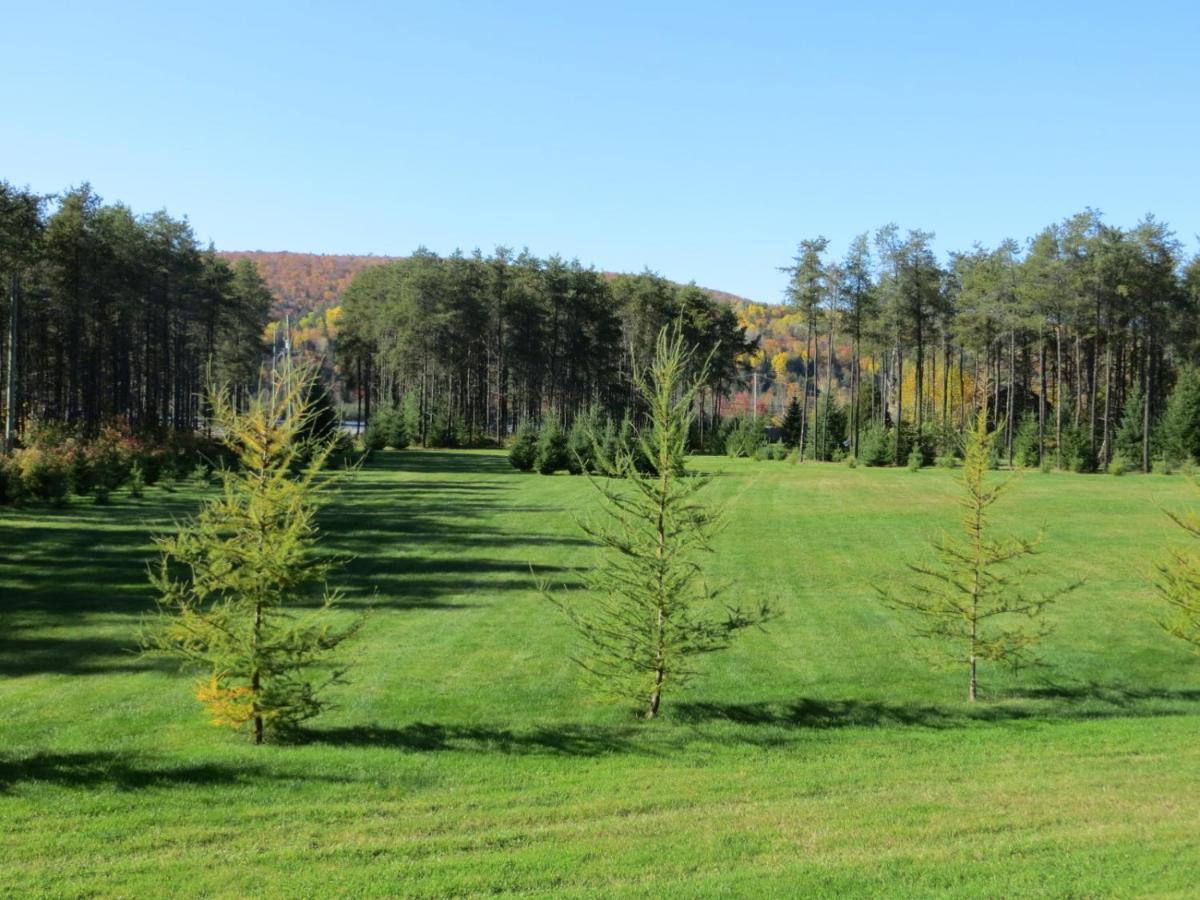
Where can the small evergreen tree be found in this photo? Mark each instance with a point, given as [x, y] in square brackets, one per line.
[875, 446]
[522, 450]
[1179, 583]
[1077, 455]
[968, 604]
[581, 440]
[1128, 439]
[1025, 443]
[1181, 420]
[650, 620]
[830, 442]
[551, 448]
[228, 579]
[410, 418]
[137, 481]
[793, 420]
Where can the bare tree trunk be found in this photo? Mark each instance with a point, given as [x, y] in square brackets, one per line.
[1042, 398]
[10, 392]
[1012, 389]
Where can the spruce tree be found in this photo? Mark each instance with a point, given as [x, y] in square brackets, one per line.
[522, 450]
[1128, 439]
[234, 580]
[551, 448]
[1181, 421]
[653, 615]
[792, 421]
[968, 603]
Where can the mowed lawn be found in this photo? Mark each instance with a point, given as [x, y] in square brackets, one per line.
[816, 758]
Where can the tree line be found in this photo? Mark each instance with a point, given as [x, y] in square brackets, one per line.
[107, 315]
[1085, 324]
[480, 343]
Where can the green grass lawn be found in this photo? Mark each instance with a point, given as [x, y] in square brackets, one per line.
[816, 758]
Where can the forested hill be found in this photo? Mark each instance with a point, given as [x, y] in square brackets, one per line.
[303, 282]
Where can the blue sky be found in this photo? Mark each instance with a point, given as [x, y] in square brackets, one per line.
[700, 140]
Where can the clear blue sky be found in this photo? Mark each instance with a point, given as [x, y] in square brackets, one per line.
[700, 140]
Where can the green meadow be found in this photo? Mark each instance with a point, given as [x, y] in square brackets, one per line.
[818, 757]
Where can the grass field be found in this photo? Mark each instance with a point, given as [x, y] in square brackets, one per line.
[816, 758]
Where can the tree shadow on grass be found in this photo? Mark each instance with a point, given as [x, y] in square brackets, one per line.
[23, 655]
[124, 772]
[425, 737]
[1046, 704]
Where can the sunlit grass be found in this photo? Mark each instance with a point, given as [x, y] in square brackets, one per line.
[817, 757]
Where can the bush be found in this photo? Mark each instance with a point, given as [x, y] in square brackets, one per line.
[522, 450]
[551, 448]
[743, 437]
[851, 462]
[1162, 466]
[915, 459]
[1117, 465]
[45, 474]
[10, 482]
[771, 452]
[947, 462]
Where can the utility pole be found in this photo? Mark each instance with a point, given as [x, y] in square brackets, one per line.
[10, 398]
[755, 405]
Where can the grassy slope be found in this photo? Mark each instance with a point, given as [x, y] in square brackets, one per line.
[814, 758]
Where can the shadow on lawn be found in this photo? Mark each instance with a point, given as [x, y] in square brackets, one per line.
[556, 740]
[123, 772]
[1090, 700]
[411, 543]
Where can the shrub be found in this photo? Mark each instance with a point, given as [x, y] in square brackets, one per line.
[551, 448]
[1161, 466]
[522, 451]
[947, 462]
[45, 474]
[851, 462]
[10, 481]
[1117, 465]
[743, 438]
[771, 452]
[915, 459]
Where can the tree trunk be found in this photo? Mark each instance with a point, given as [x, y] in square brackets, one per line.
[10, 393]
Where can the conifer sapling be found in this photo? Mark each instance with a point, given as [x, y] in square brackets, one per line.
[653, 614]
[233, 580]
[968, 604]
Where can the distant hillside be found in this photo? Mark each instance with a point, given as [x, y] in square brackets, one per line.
[302, 282]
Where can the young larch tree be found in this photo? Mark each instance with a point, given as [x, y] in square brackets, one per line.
[233, 580]
[1179, 583]
[654, 614]
[969, 603]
